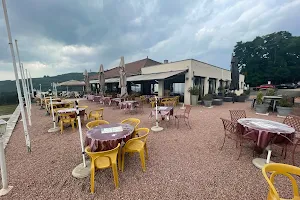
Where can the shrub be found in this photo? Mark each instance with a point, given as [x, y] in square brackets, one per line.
[270, 92]
[285, 102]
[259, 98]
[194, 90]
[208, 97]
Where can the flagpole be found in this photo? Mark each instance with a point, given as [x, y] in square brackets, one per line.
[23, 84]
[27, 139]
[26, 95]
[32, 94]
[29, 96]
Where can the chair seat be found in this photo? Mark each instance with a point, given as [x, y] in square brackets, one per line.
[96, 115]
[135, 145]
[102, 162]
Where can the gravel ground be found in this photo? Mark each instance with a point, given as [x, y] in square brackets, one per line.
[183, 163]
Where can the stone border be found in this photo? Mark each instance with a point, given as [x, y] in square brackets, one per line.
[11, 123]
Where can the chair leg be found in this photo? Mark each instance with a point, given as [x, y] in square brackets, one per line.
[73, 126]
[223, 143]
[146, 151]
[293, 153]
[241, 147]
[92, 180]
[115, 174]
[123, 160]
[142, 157]
[61, 127]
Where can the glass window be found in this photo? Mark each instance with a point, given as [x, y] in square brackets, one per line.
[136, 88]
[178, 88]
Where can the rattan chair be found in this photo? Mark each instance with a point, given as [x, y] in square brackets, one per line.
[183, 115]
[237, 114]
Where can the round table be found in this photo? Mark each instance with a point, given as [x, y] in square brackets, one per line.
[263, 131]
[68, 110]
[108, 136]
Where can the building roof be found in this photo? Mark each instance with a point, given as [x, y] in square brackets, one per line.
[132, 68]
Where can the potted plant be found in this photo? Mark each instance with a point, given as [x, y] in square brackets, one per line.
[241, 98]
[270, 92]
[207, 100]
[194, 91]
[285, 105]
[260, 107]
[221, 91]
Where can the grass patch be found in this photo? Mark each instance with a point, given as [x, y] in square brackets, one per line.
[7, 109]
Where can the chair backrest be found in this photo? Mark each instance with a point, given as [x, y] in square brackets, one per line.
[228, 125]
[85, 107]
[142, 135]
[110, 154]
[237, 114]
[66, 116]
[170, 103]
[293, 121]
[94, 123]
[280, 169]
[132, 121]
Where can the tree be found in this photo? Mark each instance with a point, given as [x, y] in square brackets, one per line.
[274, 57]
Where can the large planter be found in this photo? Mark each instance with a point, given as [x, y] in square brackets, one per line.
[261, 108]
[217, 102]
[241, 98]
[194, 99]
[207, 103]
[227, 99]
[284, 111]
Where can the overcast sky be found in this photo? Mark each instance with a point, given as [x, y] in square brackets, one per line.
[61, 36]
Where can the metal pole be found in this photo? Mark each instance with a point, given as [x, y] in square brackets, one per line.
[32, 94]
[41, 88]
[23, 83]
[26, 95]
[80, 133]
[27, 139]
[29, 96]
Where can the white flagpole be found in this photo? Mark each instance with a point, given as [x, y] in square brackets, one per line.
[156, 128]
[23, 84]
[55, 128]
[29, 96]
[32, 94]
[17, 78]
[26, 95]
[81, 170]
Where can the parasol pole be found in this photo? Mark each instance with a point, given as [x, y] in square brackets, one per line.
[82, 170]
[55, 128]
[17, 78]
[156, 128]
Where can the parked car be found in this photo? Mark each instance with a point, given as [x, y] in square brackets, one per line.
[287, 86]
[264, 87]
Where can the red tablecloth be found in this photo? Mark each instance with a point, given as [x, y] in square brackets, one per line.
[103, 138]
[263, 131]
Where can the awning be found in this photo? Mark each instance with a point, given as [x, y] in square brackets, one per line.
[155, 76]
[145, 77]
[71, 83]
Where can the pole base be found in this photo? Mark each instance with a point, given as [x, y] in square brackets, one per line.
[52, 130]
[260, 162]
[80, 171]
[5, 191]
[157, 128]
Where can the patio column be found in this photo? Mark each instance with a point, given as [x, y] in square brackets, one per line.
[206, 85]
[189, 82]
[217, 85]
[161, 87]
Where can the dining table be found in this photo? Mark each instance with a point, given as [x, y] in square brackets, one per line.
[164, 111]
[264, 132]
[108, 136]
[128, 104]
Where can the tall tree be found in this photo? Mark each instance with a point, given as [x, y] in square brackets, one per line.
[274, 57]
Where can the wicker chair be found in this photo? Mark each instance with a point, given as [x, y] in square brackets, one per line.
[232, 131]
[237, 114]
[185, 116]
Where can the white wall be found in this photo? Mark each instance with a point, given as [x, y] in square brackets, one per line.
[206, 70]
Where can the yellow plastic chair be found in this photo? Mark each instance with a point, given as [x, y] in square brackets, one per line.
[281, 169]
[152, 102]
[133, 122]
[92, 124]
[85, 107]
[96, 114]
[103, 160]
[66, 118]
[137, 145]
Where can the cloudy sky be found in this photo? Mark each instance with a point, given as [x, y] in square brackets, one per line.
[60, 36]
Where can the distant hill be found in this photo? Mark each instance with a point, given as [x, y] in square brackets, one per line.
[8, 91]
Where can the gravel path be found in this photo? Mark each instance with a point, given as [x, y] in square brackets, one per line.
[183, 163]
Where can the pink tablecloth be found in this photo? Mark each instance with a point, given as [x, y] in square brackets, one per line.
[97, 98]
[116, 101]
[103, 137]
[128, 104]
[163, 111]
[263, 131]
[90, 97]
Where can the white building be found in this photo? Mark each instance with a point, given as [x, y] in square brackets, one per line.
[184, 74]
